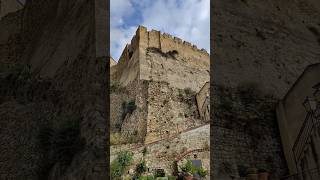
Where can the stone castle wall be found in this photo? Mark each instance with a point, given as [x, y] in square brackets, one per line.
[161, 154]
[184, 69]
[190, 58]
[170, 111]
[160, 80]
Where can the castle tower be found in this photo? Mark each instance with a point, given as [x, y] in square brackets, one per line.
[163, 75]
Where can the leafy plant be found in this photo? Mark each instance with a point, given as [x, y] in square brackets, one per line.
[159, 173]
[187, 91]
[202, 172]
[141, 168]
[120, 164]
[146, 178]
[172, 177]
[128, 108]
[188, 167]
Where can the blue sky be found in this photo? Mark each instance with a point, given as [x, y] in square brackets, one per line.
[186, 19]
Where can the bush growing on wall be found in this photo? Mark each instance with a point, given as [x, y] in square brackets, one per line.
[141, 168]
[120, 164]
[128, 108]
[191, 169]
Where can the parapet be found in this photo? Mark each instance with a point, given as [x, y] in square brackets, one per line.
[166, 36]
[157, 39]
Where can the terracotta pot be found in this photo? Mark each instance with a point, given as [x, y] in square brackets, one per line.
[263, 176]
[188, 178]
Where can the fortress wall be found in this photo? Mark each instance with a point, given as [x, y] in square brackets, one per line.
[193, 64]
[191, 52]
[154, 39]
[170, 111]
[159, 82]
[177, 72]
[134, 125]
[162, 153]
[128, 66]
[188, 55]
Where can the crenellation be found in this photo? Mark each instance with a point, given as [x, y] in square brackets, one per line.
[194, 47]
[187, 43]
[164, 41]
[166, 35]
[178, 40]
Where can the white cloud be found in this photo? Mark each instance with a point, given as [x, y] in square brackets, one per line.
[119, 35]
[188, 20]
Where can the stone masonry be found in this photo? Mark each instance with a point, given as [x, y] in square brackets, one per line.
[163, 75]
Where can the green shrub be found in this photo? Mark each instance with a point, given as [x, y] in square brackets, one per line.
[188, 167]
[191, 169]
[202, 172]
[172, 178]
[120, 164]
[131, 106]
[188, 91]
[128, 108]
[141, 168]
[159, 173]
[146, 178]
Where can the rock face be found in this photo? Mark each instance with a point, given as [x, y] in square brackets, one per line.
[56, 39]
[268, 43]
[158, 76]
